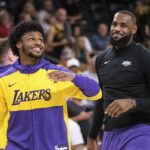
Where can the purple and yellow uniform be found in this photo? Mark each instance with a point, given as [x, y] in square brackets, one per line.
[38, 110]
[3, 130]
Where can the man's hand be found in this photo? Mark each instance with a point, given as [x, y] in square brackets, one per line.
[91, 144]
[119, 106]
[60, 76]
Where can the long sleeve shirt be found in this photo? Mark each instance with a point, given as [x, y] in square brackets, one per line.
[37, 106]
[125, 73]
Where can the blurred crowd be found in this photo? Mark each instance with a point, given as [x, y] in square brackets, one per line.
[76, 30]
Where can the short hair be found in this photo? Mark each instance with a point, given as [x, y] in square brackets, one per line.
[20, 30]
[128, 13]
[4, 46]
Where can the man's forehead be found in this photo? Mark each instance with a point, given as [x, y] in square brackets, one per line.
[32, 33]
[122, 17]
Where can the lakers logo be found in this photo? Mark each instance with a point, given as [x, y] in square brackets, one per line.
[19, 96]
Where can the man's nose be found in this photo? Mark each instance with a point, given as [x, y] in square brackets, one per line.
[117, 28]
[37, 42]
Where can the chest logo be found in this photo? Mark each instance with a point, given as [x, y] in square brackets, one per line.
[126, 63]
[106, 62]
[21, 96]
[10, 85]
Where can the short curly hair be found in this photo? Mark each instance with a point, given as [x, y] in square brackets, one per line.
[128, 13]
[20, 30]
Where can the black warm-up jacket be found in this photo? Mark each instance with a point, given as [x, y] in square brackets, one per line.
[123, 73]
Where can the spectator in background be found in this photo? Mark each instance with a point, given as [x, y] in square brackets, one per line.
[91, 72]
[147, 38]
[146, 41]
[74, 65]
[59, 35]
[6, 55]
[79, 33]
[28, 10]
[82, 53]
[66, 55]
[45, 14]
[142, 11]
[25, 18]
[15, 8]
[100, 40]
[6, 23]
[82, 47]
[72, 8]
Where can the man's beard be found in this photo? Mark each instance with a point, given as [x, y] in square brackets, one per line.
[35, 56]
[121, 42]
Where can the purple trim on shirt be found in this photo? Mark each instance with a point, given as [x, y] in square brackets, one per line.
[88, 86]
[3, 68]
[33, 68]
[9, 70]
[28, 69]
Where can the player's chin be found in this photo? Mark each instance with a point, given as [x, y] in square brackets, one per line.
[37, 55]
[117, 38]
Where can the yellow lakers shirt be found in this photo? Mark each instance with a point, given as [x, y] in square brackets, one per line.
[37, 106]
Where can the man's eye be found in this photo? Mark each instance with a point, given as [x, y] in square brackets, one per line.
[124, 25]
[114, 24]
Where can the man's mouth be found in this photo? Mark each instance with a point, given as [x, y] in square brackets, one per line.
[37, 49]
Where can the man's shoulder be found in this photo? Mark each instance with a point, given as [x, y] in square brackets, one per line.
[141, 49]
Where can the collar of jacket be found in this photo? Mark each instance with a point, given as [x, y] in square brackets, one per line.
[123, 50]
[27, 69]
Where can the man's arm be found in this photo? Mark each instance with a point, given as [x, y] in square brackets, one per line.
[88, 87]
[97, 120]
[96, 125]
[143, 104]
[97, 116]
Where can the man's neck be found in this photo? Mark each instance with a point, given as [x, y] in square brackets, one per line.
[118, 47]
[29, 61]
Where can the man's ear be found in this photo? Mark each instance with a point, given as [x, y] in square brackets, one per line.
[19, 45]
[11, 56]
[134, 29]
